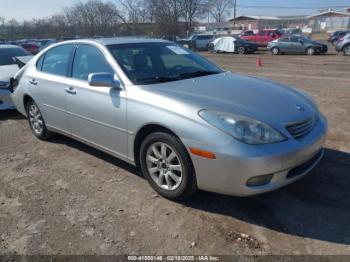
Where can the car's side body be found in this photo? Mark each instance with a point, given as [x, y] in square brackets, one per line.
[295, 44]
[117, 120]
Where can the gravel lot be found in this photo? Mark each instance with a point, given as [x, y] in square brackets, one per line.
[62, 197]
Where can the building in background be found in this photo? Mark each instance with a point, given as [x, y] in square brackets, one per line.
[330, 21]
[255, 23]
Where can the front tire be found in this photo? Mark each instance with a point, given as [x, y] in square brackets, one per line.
[275, 51]
[167, 166]
[311, 51]
[346, 50]
[36, 121]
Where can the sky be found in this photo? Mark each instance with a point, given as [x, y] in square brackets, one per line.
[27, 9]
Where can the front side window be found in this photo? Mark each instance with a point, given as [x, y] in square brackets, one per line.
[7, 55]
[88, 59]
[56, 60]
[148, 63]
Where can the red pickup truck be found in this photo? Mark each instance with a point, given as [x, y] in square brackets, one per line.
[263, 37]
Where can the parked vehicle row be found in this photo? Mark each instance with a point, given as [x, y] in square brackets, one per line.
[185, 122]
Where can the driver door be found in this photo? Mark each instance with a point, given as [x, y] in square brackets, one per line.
[97, 115]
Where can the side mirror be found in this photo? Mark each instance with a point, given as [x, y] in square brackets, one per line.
[104, 79]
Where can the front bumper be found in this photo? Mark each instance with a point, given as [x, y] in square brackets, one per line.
[5, 99]
[236, 163]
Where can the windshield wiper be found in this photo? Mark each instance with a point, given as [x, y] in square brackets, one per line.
[198, 74]
[156, 79]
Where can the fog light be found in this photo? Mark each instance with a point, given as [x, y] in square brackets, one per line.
[259, 180]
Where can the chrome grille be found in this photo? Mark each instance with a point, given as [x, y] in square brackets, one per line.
[302, 128]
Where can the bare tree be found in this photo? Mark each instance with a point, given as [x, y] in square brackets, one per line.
[166, 16]
[191, 9]
[134, 11]
[219, 8]
[94, 17]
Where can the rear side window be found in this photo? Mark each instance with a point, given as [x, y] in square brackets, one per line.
[294, 39]
[56, 60]
[88, 59]
[39, 63]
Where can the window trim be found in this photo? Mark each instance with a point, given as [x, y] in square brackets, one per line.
[70, 72]
[44, 55]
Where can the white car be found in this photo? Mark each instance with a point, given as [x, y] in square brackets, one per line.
[8, 68]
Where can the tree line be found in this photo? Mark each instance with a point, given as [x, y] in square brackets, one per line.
[119, 18]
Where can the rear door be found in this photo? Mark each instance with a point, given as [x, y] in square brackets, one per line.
[47, 84]
[97, 115]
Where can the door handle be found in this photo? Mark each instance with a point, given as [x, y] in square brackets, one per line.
[71, 90]
[33, 82]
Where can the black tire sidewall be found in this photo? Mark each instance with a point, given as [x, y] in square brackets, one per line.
[188, 184]
[242, 52]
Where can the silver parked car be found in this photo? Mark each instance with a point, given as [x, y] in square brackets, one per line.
[184, 121]
[8, 68]
[343, 44]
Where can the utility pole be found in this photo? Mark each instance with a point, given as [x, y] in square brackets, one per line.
[234, 13]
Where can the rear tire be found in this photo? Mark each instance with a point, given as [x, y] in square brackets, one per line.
[275, 51]
[36, 121]
[167, 166]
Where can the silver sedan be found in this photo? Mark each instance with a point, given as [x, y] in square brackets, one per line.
[186, 123]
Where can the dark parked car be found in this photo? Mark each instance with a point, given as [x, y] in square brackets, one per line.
[343, 44]
[296, 45]
[336, 36]
[229, 44]
[32, 48]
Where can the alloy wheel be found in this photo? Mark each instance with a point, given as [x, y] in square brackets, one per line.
[35, 118]
[164, 166]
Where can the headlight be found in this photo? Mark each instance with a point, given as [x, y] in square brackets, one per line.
[243, 128]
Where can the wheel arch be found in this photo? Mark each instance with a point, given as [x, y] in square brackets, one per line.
[26, 99]
[143, 132]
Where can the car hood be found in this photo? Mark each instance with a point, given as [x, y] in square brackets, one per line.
[261, 99]
[8, 71]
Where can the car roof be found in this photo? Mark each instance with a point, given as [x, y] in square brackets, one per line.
[119, 40]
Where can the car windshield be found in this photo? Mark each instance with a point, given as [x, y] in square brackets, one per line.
[7, 55]
[150, 63]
